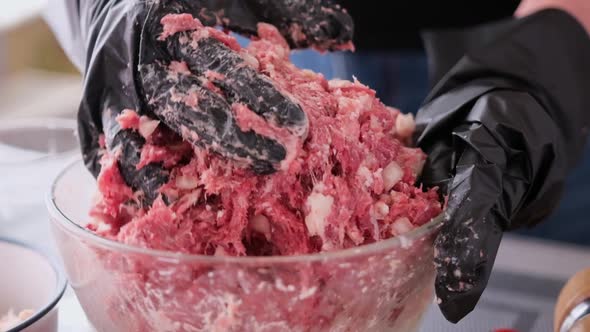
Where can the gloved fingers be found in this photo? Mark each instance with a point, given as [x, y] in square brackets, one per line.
[89, 144]
[535, 134]
[466, 247]
[322, 24]
[150, 177]
[203, 117]
[239, 82]
[438, 166]
[232, 14]
[128, 144]
[464, 257]
[240, 113]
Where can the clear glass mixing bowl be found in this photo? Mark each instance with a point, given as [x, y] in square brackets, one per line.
[385, 286]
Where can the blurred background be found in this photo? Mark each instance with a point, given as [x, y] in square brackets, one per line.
[39, 95]
[36, 78]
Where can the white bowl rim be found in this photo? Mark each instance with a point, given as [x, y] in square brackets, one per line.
[60, 287]
[96, 240]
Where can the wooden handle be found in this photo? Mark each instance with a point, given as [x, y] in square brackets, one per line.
[573, 293]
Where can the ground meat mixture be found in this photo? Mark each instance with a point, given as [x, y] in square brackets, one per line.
[349, 182]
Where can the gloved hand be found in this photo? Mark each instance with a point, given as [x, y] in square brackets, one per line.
[129, 59]
[502, 129]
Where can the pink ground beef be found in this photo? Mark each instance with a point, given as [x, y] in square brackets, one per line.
[351, 182]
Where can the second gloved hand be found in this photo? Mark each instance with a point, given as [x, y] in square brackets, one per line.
[502, 130]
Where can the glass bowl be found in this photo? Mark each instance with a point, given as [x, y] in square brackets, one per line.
[385, 286]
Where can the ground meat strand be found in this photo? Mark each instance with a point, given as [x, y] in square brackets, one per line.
[351, 181]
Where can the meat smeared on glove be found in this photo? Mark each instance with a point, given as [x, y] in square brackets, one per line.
[130, 52]
[502, 129]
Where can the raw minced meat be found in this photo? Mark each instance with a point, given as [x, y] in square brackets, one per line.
[349, 183]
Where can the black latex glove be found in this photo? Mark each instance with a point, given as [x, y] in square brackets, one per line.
[126, 67]
[502, 130]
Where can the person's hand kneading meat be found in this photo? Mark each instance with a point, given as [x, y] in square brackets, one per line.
[201, 146]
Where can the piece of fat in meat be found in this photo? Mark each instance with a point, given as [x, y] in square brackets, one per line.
[187, 182]
[401, 226]
[319, 207]
[365, 176]
[147, 126]
[392, 174]
[405, 125]
[381, 210]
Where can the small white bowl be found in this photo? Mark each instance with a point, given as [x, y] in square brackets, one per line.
[29, 280]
